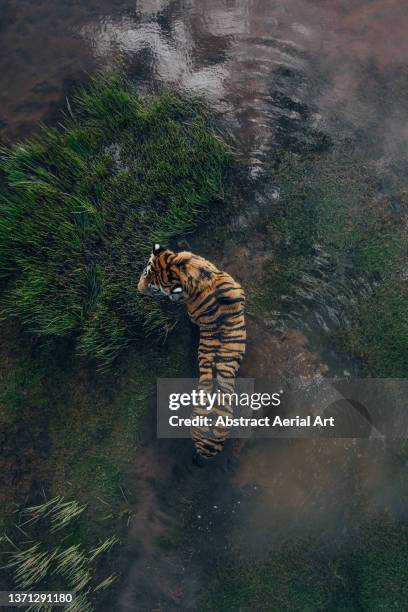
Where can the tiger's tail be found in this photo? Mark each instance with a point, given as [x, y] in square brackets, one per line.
[210, 440]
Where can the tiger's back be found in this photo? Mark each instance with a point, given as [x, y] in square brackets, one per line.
[215, 302]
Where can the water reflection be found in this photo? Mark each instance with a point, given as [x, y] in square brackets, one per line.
[332, 67]
[226, 51]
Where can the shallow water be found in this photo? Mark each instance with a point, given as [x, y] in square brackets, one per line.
[272, 65]
[300, 74]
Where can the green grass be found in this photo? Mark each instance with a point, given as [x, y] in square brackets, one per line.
[331, 207]
[379, 566]
[96, 424]
[367, 574]
[379, 333]
[82, 204]
[289, 578]
[20, 382]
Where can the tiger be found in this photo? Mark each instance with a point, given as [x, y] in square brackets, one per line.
[215, 302]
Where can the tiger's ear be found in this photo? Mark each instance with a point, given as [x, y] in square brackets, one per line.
[157, 249]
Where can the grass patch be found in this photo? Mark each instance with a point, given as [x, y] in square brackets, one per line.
[59, 560]
[82, 204]
[20, 377]
[368, 574]
[379, 333]
[94, 423]
[379, 566]
[290, 578]
[337, 242]
[97, 425]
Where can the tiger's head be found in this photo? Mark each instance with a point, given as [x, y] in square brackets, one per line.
[162, 277]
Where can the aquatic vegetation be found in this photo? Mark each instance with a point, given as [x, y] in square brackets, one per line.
[81, 205]
[368, 574]
[379, 565]
[338, 256]
[37, 564]
[379, 333]
[288, 578]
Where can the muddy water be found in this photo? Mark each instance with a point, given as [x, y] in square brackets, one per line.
[308, 76]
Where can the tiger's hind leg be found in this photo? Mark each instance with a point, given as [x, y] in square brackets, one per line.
[218, 367]
[206, 445]
[209, 441]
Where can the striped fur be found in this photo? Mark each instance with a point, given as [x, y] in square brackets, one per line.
[215, 302]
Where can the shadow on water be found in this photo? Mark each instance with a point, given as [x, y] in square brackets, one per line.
[307, 77]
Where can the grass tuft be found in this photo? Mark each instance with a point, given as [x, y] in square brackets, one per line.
[66, 566]
[82, 204]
